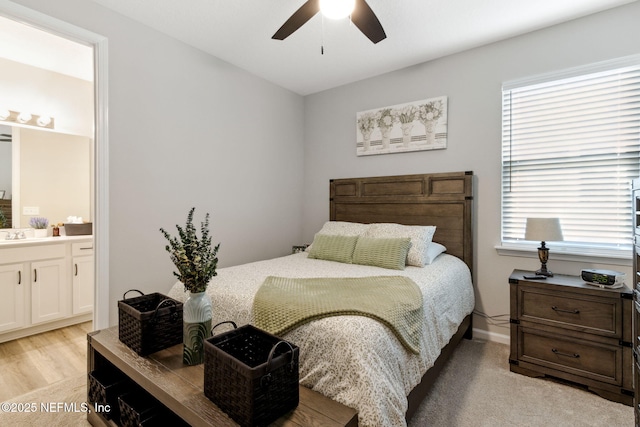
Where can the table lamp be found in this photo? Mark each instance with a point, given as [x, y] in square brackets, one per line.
[543, 229]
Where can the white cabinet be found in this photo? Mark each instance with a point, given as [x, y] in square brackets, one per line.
[49, 291]
[12, 296]
[45, 285]
[83, 277]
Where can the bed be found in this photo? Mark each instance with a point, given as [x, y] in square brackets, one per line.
[356, 360]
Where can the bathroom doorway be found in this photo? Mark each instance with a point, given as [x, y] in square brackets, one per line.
[57, 33]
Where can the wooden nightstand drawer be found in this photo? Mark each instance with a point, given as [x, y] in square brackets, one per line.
[571, 311]
[597, 361]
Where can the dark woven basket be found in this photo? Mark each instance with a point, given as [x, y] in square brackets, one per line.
[251, 375]
[149, 323]
[105, 385]
[136, 407]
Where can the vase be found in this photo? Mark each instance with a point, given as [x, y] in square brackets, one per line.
[196, 327]
[40, 232]
[406, 133]
[429, 126]
[367, 140]
[386, 138]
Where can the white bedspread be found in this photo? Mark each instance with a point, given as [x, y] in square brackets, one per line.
[353, 359]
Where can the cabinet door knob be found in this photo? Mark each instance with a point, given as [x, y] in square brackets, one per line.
[35, 275]
[76, 269]
[19, 277]
[560, 310]
[559, 353]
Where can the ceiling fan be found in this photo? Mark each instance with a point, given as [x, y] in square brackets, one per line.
[361, 15]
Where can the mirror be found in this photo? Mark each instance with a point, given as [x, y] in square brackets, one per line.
[49, 175]
[5, 176]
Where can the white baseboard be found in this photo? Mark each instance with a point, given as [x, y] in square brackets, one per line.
[45, 327]
[481, 334]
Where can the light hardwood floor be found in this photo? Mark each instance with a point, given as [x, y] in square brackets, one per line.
[34, 362]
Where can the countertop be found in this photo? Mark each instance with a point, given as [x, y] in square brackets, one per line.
[32, 241]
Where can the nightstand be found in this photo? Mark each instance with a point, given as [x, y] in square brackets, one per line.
[562, 327]
[300, 248]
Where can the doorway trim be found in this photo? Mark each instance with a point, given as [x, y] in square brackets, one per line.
[99, 44]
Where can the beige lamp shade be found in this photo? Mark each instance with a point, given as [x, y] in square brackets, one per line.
[543, 230]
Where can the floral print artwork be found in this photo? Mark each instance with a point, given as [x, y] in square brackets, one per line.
[415, 126]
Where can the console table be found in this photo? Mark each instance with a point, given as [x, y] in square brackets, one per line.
[180, 388]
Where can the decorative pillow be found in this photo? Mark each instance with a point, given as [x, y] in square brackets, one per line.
[420, 238]
[385, 253]
[333, 247]
[433, 251]
[341, 228]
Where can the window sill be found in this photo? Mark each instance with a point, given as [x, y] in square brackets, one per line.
[599, 256]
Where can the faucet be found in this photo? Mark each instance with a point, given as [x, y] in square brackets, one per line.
[16, 235]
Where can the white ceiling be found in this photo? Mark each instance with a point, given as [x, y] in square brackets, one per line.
[239, 32]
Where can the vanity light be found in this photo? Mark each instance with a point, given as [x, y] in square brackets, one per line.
[43, 120]
[337, 9]
[24, 117]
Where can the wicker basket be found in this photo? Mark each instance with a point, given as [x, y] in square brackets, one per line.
[136, 407]
[251, 375]
[149, 323]
[105, 385]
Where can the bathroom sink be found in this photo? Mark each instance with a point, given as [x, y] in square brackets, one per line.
[27, 240]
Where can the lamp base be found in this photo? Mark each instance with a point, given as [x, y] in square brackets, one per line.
[544, 272]
[543, 256]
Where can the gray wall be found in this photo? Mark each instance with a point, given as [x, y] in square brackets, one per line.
[472, 81]
[187, 129]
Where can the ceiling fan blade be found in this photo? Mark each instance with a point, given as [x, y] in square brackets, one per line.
[367, 21]
[298, 19]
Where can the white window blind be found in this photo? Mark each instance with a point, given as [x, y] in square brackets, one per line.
[570, 148]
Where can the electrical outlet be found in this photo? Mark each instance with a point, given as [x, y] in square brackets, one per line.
[30, 210]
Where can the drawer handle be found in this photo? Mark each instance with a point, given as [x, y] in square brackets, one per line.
[560, 310]
[559, 353]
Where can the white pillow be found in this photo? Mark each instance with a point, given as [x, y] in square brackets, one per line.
[341, 228]
[433, 250]
[420, 236]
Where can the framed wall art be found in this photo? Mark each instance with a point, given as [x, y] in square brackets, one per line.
[414, 126]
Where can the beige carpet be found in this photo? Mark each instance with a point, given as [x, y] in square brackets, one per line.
[475, 389]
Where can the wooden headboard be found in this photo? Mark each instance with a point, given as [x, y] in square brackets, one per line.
[441, 199]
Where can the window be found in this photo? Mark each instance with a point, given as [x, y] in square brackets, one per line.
[570, 148]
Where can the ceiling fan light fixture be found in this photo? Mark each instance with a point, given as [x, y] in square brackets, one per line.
[337, 9]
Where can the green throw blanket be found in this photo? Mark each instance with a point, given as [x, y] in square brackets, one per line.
[282, 304]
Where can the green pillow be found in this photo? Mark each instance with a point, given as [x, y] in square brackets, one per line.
[333, 248]
[386, 253]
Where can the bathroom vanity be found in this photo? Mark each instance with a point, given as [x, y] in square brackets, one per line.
[45, 284]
